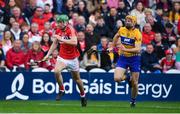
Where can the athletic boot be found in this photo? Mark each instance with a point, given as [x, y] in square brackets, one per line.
[59, 95]
[83, 101]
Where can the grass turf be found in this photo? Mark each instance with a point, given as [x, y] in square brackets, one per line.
[93, 107]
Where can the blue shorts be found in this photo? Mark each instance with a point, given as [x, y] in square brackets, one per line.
[133, 63]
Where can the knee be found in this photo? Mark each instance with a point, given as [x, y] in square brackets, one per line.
[117, 79]
[78, 80]
[134, 83]
[56, 72]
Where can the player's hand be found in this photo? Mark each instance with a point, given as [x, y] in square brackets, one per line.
[122, 47]
[157, 66]
[45, 58]
[110, 49]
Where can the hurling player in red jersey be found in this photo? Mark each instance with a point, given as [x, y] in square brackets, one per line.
[68, 56]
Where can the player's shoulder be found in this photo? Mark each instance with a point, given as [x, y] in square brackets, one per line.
[122, 29]
[136, 30]
[70, 28]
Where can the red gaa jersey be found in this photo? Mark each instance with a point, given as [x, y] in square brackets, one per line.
[68, 51]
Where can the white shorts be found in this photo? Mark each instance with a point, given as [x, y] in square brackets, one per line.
[71, 64]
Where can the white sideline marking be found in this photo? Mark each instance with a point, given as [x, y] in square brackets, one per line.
[57, 104]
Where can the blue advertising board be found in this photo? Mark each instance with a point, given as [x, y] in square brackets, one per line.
[98, 86]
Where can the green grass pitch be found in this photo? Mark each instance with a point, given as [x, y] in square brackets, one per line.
[93, 107]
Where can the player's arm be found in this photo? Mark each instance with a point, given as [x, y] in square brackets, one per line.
[115, 39]
[72, 40]
[136, 49]
[52, 48]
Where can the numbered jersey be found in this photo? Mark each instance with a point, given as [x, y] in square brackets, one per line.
[68, 51]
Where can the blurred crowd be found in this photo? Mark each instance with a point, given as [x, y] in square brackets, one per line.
[27, 28]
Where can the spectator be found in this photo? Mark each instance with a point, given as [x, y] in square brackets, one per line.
[178, 27]
[82, 10]
[43, 3]
[34, 56]
[92, 37]
[111, 20]
[81, 24]
[167, 62]
[83, 45]
[113, 54]
[34, 34]
[2, 11]
[122, 10]
[148, 12]
[47, 12]
[47, 29]
[159, 47]
[45, 43]
[101, 28]
[174, 13]
[91, 59]
[30, 9]
[139, 13]
[94, 16]
[93, 4]
[39, 18]
[162, 4]
[112, 3]
[2, 60]
[52, 61]
[149, 60]
[16, 12]
[15, 56]
[26, 45]
[169, 37]
[165, 18]
[7, 41]
[57, 6]
[74, 19]
[103, 50]
[159, 15]
[11, 4]
[25, 28]
[9, 24]
[104, 9]
[68, 8]
[147, 34]
[16, 31]
[177, 53]
[156, 27]
[119, 24]
[130, 4]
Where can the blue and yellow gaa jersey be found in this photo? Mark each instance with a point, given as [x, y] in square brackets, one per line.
[129, 38]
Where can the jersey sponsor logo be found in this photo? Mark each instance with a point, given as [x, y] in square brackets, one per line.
[16, 87]
[66, 37]
[127, 41]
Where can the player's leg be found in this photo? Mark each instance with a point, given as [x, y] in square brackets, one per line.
[74, 67]
[57, 71]
[134, 89]
[119, 74]
[77, 79]
[120, 69]
[135, 71]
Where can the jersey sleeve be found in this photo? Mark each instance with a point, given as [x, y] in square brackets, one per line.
[119, 31]
[72, 32]
[138, 37]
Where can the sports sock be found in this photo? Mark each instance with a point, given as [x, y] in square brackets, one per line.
[61, 88]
